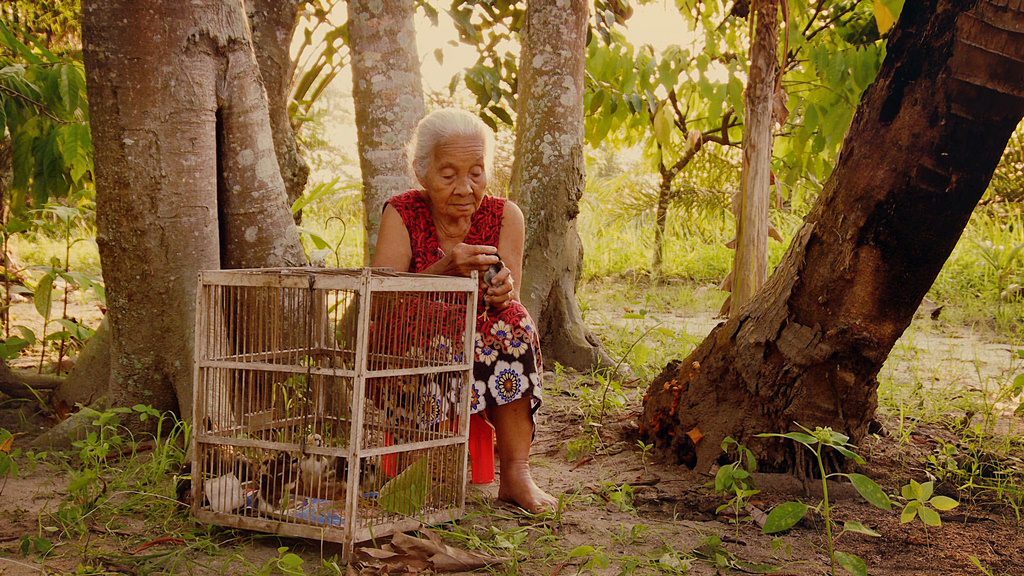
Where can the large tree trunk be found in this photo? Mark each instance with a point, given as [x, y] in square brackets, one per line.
[153, 102]
[253, 217]
[177, 108]
[388, 98]
[751, 263]
[273, 24]
[918, 157]
[548, 176]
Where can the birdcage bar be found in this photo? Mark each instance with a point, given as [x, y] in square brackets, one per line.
[306, 368]
[356, 433]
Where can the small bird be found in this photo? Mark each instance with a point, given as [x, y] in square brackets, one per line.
[277, 482]
[316, 472]
[493, 271]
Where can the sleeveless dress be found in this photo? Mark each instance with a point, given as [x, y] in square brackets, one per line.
[507, 363]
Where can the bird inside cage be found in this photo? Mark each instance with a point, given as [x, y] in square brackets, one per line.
[289, 476]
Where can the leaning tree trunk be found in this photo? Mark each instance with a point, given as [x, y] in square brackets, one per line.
[750, 267]
[919, 155]
[548, 176]
[388, 98]
[273, 24]
[179, 117]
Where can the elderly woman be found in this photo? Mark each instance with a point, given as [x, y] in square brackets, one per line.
[453, 227]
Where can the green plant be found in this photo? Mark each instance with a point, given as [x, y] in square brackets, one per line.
[582, 446]
[735, 481]
[286, 563]
[645, 452]
[713, 551]
[920, 503]
[786, 515]
[63, 220]
[596, 557]
[619, 495]
[35, 545]
[8, 453]
[631, 535]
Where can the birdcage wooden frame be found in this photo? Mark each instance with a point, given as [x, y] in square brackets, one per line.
[248, 325]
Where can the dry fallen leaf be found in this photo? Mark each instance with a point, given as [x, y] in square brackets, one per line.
[696, 435]
[407, 554]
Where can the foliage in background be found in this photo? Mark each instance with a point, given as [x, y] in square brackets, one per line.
[49, 193]
[320, 55]
[44, 110]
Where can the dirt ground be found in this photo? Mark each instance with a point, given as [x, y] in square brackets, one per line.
[623, 512]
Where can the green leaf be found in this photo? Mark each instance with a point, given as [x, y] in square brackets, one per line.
[74, 143]
[502, 114]
[1018, 385]
[909, 512]
[805, 439]
[848, 453]
[852, 563]
[663, 126]
[860, 529]
[43, 295]
[406, 493]
[944, 503]
[926, 491]
[784, 516]
[318, 241]
[916, 490]
[724, 478]
[870, 491]
[929, 517]
[907, 491]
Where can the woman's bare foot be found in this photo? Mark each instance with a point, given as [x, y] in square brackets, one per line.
[517, 486]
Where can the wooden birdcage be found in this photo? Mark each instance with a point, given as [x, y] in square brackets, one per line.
[331, 404]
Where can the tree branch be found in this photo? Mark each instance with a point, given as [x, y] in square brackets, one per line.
[39, 105]
[25, 384]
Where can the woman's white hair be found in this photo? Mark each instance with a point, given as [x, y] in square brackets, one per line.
[440, 125]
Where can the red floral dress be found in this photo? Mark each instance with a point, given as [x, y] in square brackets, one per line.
[507, 362]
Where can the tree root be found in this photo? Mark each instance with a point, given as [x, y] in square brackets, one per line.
[68, 431]
[26, 384]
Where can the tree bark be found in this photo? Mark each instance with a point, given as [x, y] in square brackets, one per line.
[920, 153]
[178, 111]
[548, 176]
[273, 25]
[661, 220]
[388, 98]
[750, 267]
[89, 380]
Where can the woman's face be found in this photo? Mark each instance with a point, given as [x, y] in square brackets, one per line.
[456, 179]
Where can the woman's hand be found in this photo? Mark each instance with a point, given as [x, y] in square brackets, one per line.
[501, 290]
[466, 258]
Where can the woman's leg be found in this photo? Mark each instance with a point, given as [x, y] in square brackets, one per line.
[513, 426]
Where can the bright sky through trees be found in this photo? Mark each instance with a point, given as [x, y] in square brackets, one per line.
[658, 24]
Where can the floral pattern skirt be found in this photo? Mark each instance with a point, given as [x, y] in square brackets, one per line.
[507, 363]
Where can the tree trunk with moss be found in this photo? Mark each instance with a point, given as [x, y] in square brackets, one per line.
[919, 155]
[186, 176]
[548, 177]
[252, 203]
[273, 25]
[388, 98]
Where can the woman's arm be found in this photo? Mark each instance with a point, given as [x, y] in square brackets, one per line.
[510, 247]
[394, 248]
